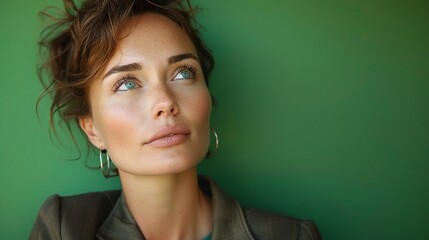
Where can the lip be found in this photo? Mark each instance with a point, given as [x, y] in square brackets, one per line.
[169, 136]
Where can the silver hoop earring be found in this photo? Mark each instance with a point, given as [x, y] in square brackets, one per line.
[217, 140]
[106, 168]
[209, 153]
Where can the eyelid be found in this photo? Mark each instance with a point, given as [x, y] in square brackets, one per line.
[188, 67]
[124, 79]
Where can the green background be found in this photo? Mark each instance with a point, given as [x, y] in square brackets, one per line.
[323, 114]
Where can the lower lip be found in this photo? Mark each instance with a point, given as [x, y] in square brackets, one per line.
[169, 141]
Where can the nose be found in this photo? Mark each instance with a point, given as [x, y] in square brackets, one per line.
[165, 104]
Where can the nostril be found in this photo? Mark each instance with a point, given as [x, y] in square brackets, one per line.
[166, 111]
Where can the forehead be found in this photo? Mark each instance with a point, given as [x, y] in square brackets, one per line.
[150, 37]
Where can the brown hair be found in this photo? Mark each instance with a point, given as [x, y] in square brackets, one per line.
[79, 42]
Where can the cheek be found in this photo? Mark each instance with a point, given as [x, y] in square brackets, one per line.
[201, 120]
[202, 107]
[116, 125]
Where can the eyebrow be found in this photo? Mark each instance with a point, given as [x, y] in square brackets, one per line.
[137, 66]
[124, 68]
[181, 57]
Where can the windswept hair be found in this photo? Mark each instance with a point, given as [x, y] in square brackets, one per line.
[78, 42]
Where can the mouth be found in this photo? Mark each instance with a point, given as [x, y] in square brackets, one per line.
[169, 136]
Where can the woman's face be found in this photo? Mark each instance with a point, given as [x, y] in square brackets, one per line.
[150, 108]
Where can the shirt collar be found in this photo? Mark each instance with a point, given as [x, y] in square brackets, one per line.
[228, 217]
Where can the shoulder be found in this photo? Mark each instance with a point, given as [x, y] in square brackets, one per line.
[88, 202]
[79, 216]
[231, 221]
[278, 226]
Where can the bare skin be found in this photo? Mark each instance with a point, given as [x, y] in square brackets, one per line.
[170, 207]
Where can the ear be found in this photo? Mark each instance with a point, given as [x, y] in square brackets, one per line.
[87, 125]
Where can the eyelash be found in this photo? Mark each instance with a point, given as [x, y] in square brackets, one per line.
[188, 67]
[123, 80]
[192, 69]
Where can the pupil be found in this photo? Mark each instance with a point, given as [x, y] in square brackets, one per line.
[129, 84]
[185, 74]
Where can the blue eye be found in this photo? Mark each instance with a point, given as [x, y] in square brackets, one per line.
[126, 84]
[130, 85]
[186, 72]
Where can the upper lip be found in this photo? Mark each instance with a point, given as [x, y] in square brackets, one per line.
[168, 131]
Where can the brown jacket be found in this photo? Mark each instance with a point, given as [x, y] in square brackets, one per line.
[104, 215]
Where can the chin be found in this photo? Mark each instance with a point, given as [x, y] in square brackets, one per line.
[162, 166]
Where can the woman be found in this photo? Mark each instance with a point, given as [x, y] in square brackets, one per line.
[134, 75]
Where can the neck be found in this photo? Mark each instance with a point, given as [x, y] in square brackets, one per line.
[168, 206]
